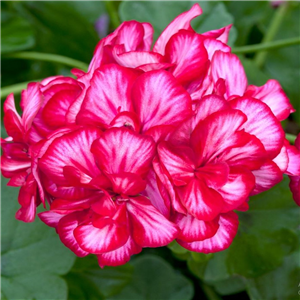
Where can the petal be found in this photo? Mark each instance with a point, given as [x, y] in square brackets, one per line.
[159, 100]
[237, 190]
[261, 123]
[65, 229]
[293, 160]
[266, 177]
[201, 201]
[180, 22]
[216, 133]
[214, 175]
[122, 150]
[109, 237]
[186, 51]
[31, 101]
[178, 161]
[72, 149]
[295, 188]
[205, 107]
[228, 226]
[219, 34]
[212, 45]
[192, 229]
[228, 67]
[152, 192]
[134, 59]
[54, 112]
[119, 256]
[127, 183]
[149, 227]
[272, 94]
[50, 218]
[282, 159]
[108, 95]
[12, 121]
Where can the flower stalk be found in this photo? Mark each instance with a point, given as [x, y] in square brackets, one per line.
[49, 57]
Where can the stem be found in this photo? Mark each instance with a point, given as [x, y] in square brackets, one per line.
[15, 88]
[49, 57]
[290, 137]
[267, 46]
[209, 292]
[113, 14]
[260, 58]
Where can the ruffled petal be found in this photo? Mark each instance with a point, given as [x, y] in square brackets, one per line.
[192, 229]
[228, 67]
[201, 201]
[261, 123]
[119, 256]
[272, 94]
[122, 150]
[228, 226]
[159, 100]
[181, 22]
[149, 227]
[186, 51]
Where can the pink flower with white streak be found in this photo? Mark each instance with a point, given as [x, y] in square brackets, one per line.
[149, 145]
[113, 220]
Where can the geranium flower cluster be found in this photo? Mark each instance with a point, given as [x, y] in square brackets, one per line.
[148, 146]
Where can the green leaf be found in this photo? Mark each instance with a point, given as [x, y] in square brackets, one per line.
[143, 278]
[267, 233]
[16, 33]
[160, 14]
[231, 285]
[32, 255]
[154, 279]
[76, 38]
[283, 283]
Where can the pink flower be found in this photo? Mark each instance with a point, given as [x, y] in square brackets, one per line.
[149, 145]
[112, 219]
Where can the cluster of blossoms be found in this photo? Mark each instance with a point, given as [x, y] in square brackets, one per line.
[148, 146]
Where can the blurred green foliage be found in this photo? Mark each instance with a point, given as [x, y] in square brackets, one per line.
[263, 259]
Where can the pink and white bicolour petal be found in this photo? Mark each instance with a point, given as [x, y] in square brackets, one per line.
[261, 123]
[72, 149]
[202, 202]
[186, 51]
[204, 108]
[11, 167]
[166, 187]
[228, 226]
[159, 99]
[216, 133]
[282, 159]
[152, 192]
[228, 67]
[31, 101]
[104, 234]
[122, 150]
[178, 161]
[266, 177]
[221, 34]
[273, 95]
[295, 188]
[65, 229]
[28, 200]
[237, 190]
[293, 153]
[149, 227]
[181, 22]
[119, 256]
[191, 229]
[108, 95]
[135, 59]
[212, 45]
[50, 218]
[12, 121]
